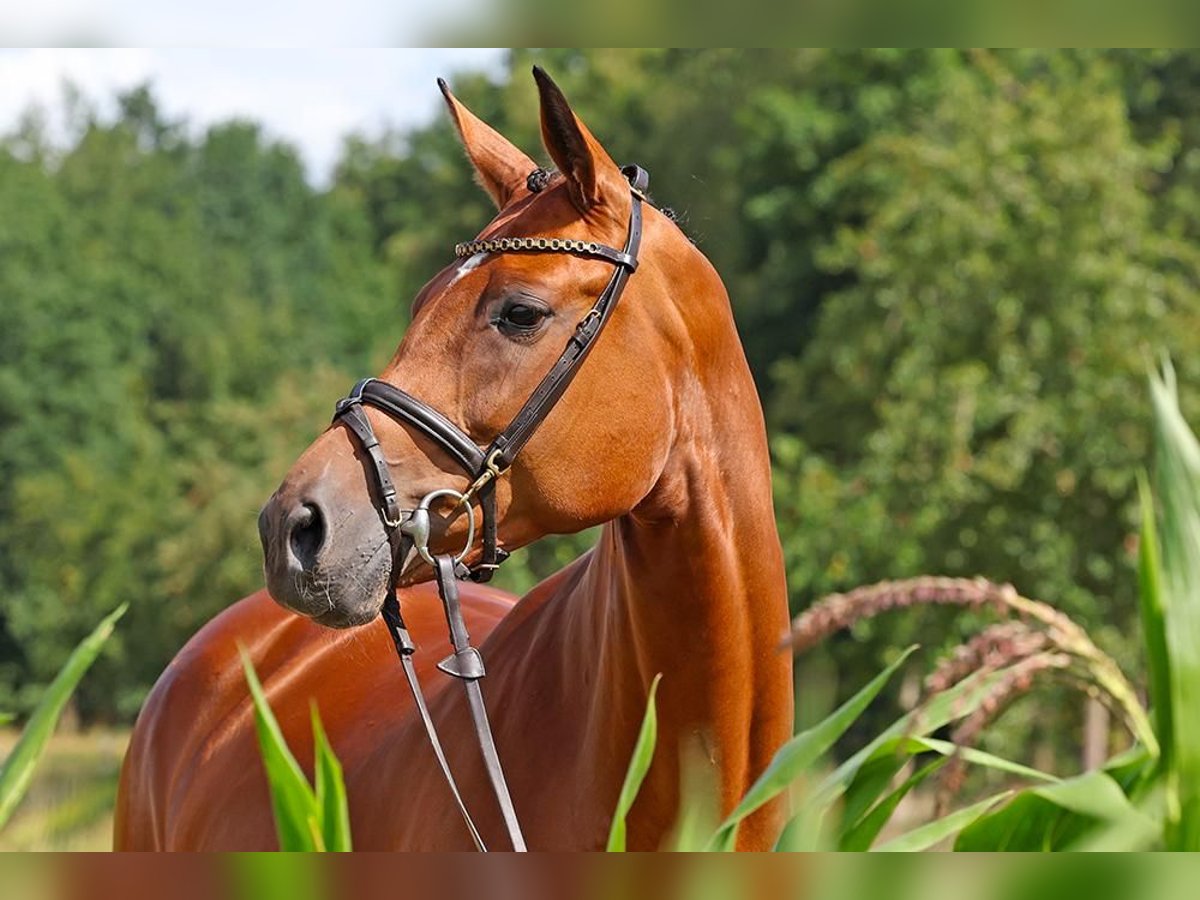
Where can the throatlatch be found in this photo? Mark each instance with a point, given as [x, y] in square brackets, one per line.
[482, 466]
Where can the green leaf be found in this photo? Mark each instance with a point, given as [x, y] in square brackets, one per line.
[5, 718]
[1133, 770]
[1178, 490]
[639, 765]
[933, 833]
[890, 756]
[1154, 629]
[871, 782]
[941, 709]
[798, 755]
[1131, 834]
[330, 792]
[698, 806]
[17, 770]
[863, 834]
[292, 799]
[978, 757]
[1053, 817]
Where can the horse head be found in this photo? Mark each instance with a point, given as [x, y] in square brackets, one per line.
[484, 333]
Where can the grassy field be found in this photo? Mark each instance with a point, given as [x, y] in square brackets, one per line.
[70, 804]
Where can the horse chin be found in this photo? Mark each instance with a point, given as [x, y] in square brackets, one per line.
[341, 591]
[339, 619]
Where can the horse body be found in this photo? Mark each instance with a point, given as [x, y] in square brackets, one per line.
[661, 437]
[193, 779]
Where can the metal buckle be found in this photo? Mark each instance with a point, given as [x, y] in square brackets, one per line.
[593, 314]
[416, 526]
[490, 472]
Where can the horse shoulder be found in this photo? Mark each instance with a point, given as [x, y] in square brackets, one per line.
[192, 778]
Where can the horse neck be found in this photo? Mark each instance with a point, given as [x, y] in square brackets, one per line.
[691, 585]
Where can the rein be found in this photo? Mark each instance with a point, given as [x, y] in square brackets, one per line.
[483, 466]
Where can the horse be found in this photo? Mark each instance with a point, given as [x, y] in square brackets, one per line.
[659, 438]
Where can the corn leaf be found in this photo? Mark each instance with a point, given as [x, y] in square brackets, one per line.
[1154, 629]
[292, 798]
[933, 833]
[800, 753]
[17, 770]
[860, 823]
[862, 835]
[1178, 491]
[1055, 816]
[330, 791]
[948, 706]
[639, 765]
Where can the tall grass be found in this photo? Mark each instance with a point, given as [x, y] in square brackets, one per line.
[308, 817]
[17, 770]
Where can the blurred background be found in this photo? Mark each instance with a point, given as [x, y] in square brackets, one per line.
[950, 270]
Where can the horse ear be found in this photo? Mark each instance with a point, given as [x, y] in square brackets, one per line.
[499, 166]
[587, 166]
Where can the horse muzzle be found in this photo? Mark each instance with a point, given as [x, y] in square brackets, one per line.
[327, 563]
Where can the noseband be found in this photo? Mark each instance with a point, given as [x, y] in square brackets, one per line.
[483, 466]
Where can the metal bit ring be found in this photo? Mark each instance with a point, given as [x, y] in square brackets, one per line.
[416, 526]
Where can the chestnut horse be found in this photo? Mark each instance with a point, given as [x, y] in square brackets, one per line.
[660, 436]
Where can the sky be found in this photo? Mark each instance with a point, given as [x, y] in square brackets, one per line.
[311, 98]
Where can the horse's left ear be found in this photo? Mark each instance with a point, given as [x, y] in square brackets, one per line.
[501, 168]
[588, 168]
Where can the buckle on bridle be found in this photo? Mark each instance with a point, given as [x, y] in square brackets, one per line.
[490, 472]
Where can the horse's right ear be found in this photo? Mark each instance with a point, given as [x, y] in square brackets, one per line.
[499, 166]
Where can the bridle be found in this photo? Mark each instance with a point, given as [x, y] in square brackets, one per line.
[483, 466]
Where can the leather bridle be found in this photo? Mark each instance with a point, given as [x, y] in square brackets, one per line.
[483, 466]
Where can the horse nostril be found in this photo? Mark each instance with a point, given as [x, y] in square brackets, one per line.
[306, 535]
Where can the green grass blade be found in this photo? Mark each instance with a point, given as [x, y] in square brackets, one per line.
[873, 779]
[1055, 816]
[1131, 834]
[17, 770]
[639, 765]
[699, 810]
[292, 799]
[1178, 490]
[1154, 629]
[864, 832]
[871, 782]
[979, 758]
[941, 709]
[933, 833]
[861, 825]
[798, 755]
[330, 791]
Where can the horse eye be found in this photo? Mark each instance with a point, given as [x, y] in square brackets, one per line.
[522, 317]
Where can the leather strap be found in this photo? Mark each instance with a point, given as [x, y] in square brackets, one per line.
[482, 466]
[512, 440]
[405, 648]
[403, 406]
[470, 458]
[354, 417]
[466, 665]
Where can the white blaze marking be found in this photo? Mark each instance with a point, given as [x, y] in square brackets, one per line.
[468, 266]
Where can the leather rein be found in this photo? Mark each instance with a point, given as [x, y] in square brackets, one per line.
[483, 466]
